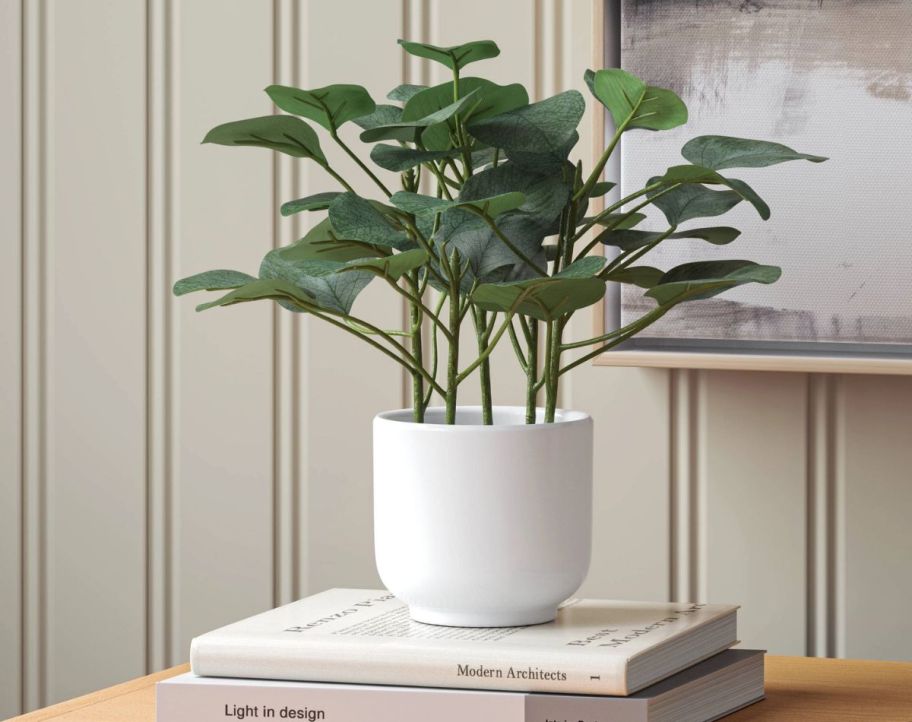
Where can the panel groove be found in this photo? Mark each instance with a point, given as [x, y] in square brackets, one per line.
[286, 331]
[687, 487]
[835, 511]
[159, 335]
[34, 358]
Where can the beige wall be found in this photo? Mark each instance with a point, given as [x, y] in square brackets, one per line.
[166, 472]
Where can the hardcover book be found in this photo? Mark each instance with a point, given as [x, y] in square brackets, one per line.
[716, 687]
[362, 636]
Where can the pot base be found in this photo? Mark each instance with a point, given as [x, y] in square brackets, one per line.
[505, 618]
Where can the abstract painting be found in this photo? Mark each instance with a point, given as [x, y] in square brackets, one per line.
[829, 77]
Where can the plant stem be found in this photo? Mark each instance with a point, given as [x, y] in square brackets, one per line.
[415, 317]
[532, 372]
[338, 178]
[361, 164]
[452, 354]
[484, 371]
[552, 349]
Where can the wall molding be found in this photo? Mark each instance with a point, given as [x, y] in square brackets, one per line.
[287, 332]
[687, 487]
[36, 153]
[825, 527]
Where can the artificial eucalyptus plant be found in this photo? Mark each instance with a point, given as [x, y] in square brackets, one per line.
[489, 225]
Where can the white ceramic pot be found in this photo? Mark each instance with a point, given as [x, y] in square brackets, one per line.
[482, 526]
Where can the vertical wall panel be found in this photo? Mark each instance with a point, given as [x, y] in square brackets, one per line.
[751, 472]
[10, 355]
[873, 531]
[224, 376]
[95, 456]
[344, 381]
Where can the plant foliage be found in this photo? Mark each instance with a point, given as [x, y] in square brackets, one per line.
[488, 221]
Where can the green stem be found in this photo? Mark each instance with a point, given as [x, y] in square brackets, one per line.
[361, 164]
[484, 371]
[338, 178]
[532, 372]
[628, 332]
[600, 164]
[415, 319]
[452, 381]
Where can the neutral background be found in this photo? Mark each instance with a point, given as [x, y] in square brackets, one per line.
[165, 472]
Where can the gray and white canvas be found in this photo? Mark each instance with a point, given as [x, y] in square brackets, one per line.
[828, 77]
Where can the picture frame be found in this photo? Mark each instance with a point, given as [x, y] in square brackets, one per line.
[741, 354]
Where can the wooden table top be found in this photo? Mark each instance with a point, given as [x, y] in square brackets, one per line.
[798, 689]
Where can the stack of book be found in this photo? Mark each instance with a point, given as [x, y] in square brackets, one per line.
[353, 655]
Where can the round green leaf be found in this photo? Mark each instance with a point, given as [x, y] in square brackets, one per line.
[218, 280]
[330, 106]
[283, 133]
[633, 104]
[719, 152]
[453, 56]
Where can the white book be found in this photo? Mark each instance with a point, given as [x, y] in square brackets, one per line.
[713, 688]
[366, 637]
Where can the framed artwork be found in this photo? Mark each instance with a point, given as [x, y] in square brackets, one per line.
[831, 78]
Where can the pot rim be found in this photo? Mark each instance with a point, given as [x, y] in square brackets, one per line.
[562, 418]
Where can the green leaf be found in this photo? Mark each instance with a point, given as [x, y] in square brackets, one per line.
[642, 276]
[601, 188]
[276, 290]
[633, 104]
[583, 268]
[397, 158]
[420, 204]
[382, 115]
[394, 266]
[704, 279]
[699, 174]
[694, 201]
[490, 100]
[545, 129]
[322, 242]
[628, 240]
[412, 128]
[283, 133]
[316, 202]
[403, 93]
[331, 106]
[545, 299]
[453, 56]
[319, 279]
[357, 219]
[719, 152]
[620, 220]
[211, 281]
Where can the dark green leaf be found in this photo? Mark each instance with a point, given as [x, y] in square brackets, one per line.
[545, 299]
[383, 115]
[601, 188]
[704, 279]
[545, 128]
[420, 204]
[583, 268]
[403, 93]
[634, 104]
[699, 174]
[490, 100]
[330, 106]
[628, 240]
[397, 158]
[620, 220]
[694, 201]
[394, 266]
[320, 279]
[211, 281]
[642, 276]
[453, 56]
[283, 133]
[357, 219]
[277, 290]
[719, 152]
[412, 128]
[316, 202]
[322, 242]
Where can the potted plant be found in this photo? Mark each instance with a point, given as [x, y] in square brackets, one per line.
[482, 514]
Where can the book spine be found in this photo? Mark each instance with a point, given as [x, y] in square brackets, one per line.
[226, 702]
[459, 666]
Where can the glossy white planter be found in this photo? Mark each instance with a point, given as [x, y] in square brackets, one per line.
[482, 526]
